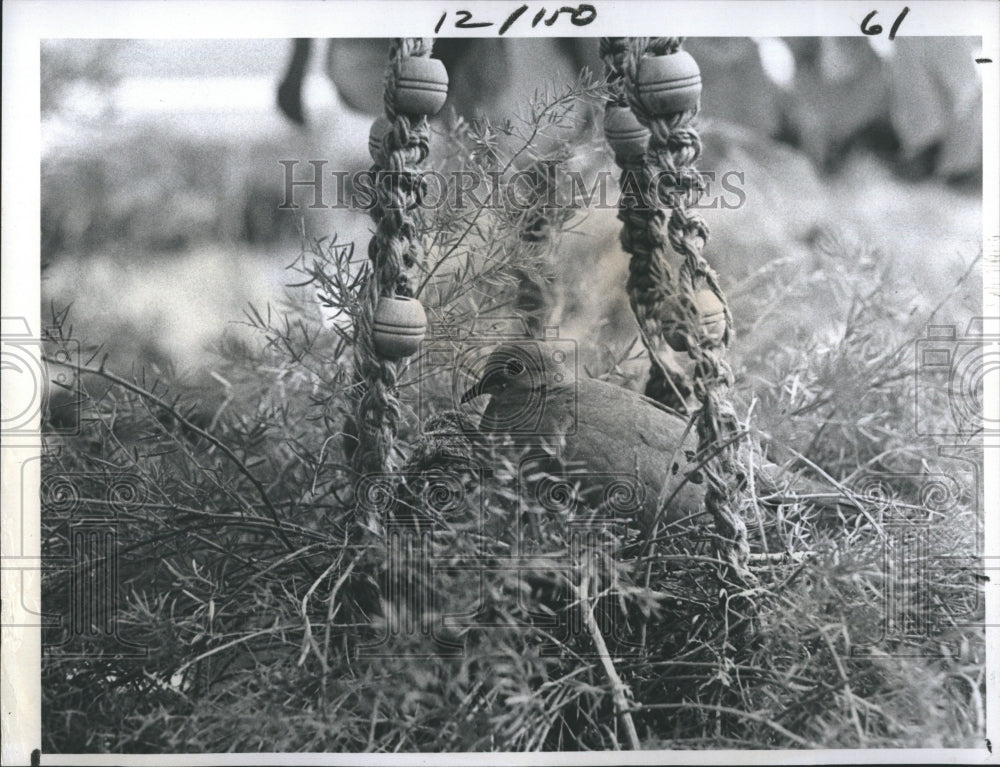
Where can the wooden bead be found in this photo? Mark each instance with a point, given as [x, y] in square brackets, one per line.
[711, 316]
[679, 317]
[422, 87]
[627, 136]
[669, 84]
[376, 135]
[399, 326]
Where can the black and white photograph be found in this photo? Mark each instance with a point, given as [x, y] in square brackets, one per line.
[454, 380]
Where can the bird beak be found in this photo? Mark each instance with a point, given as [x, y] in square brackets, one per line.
[485, 385]
[475, 391]
[491, 382]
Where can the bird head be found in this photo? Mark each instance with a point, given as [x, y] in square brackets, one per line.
[527, 367]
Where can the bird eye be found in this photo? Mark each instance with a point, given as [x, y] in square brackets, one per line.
[514, 367]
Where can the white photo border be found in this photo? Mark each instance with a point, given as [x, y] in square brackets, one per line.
[26, 23]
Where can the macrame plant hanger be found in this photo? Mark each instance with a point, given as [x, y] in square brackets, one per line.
[655, 94]
[655, 91]
[391, 322]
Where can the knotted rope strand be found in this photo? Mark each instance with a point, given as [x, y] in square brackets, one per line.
[669, 312]
[396, 252]
[650, 277]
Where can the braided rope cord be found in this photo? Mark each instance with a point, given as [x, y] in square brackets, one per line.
[396, 252]
[650, 278]
[666, 308]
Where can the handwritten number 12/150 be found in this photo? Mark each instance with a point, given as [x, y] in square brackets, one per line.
[876, 29]
[580, 16]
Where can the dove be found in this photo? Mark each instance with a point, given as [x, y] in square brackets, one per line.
[604, 429]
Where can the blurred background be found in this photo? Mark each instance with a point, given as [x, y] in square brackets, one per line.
[161, 181]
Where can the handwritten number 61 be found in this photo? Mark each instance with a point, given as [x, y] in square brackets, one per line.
[876, 29]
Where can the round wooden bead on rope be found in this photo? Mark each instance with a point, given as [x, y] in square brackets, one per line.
[392, 326]
[695, 320]
[376, 138]
[663, 86]
[711, 317]
[669, 84]
[627, 136]
[422, 87]
[398, 327]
